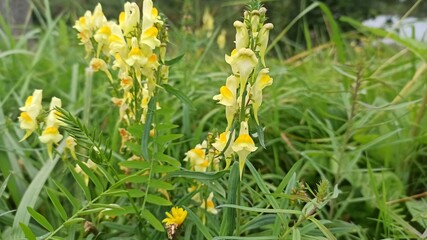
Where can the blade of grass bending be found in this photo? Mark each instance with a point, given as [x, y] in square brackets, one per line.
[57, 203]
[229, 217]
[322, 228]
[31, 195]
[146, 132]
[200, 226]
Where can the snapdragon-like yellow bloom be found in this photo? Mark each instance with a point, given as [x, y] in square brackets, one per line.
[263, 80]
[30, 111]
[243, 145]
[220, 144]
[149, 15]
[149, 37]
[197, 158]
[129, 19]
[70, 144]
[242, 35]
[50, 134]
[263, 40]
[243, 63]
[175, 217]
[209, 205]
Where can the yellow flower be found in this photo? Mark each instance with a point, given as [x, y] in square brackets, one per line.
[197, 157]
[263, 80]
[149, 15]
[129, 19]
[149, 37]
[243, 146]
[103, 34]
[243, 63]
[242, 35]
[70, 144]
[209, 205]
[263, 40]
[98, 18]
[220, 144]
[175, 217]
[50, 134]
[30, 111]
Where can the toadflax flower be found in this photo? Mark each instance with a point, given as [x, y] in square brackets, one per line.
[209, 205]
[263, 80]
[220, 144]
[243, 145]
[263, 40]
[243, 62]
[197, 157]
[242, 35]
[50, 134]
[30, 111]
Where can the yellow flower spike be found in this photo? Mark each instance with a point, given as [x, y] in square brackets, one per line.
[243, 63]
[129, 20]
[70, 144]
[263, 40]
[243, 146]
[263, 80]
[242, 35]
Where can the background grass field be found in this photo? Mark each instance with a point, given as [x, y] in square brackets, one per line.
[344, 107]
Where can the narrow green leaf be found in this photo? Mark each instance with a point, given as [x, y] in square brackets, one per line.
[40, 219]
[3, 185]
[322, 228]
[164, 169]
[147, 215]
[57, 204]
[296, 235]
[260, 133]
[197, 175]
[68, 195]
[72, 221]
[200, 226]
[288, 176]
[163, 139]
[27, 232]
[168, 159]
[134, 148]
[174, 60]
[135, 164]
[180, 95]
[228, 223]
[119, 211]
[146, 132]
[157, 200]
[260, 210]
[154, 183]
[80, 182]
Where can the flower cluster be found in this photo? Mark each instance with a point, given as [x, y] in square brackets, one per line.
[243, 88]
[134, 46]
[50, 135]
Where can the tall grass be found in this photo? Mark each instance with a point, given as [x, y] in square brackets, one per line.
[351, 114]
